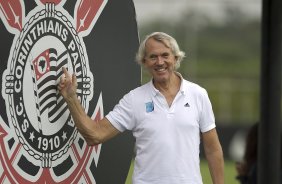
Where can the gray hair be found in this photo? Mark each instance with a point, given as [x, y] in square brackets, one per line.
[161, 37]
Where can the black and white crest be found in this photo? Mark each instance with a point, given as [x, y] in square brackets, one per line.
[38, 138]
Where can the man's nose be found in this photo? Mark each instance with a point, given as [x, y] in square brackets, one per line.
[160, 60]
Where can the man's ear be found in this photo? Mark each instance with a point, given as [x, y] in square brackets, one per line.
[176, 58]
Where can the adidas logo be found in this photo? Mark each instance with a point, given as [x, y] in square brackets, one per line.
[186, 105]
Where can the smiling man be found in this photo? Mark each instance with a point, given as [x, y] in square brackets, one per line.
[169, 116]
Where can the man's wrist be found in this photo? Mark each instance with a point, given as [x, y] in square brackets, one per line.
[71, 99]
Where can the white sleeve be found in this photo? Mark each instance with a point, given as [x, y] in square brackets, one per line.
[121, 117]
[207, 120]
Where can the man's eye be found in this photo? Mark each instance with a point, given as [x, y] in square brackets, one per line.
[165, 56]
[153, 57]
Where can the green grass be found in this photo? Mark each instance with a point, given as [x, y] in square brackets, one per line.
[229, 173]
[130, 172]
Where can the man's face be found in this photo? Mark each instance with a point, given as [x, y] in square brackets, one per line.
[159, 60]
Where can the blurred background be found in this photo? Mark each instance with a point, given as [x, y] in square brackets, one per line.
[221, 39]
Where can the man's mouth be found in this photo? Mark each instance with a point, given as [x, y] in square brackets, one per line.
[160, 69]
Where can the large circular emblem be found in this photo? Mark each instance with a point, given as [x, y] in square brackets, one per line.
[39, 142]
[47, 43]
[37, 112]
